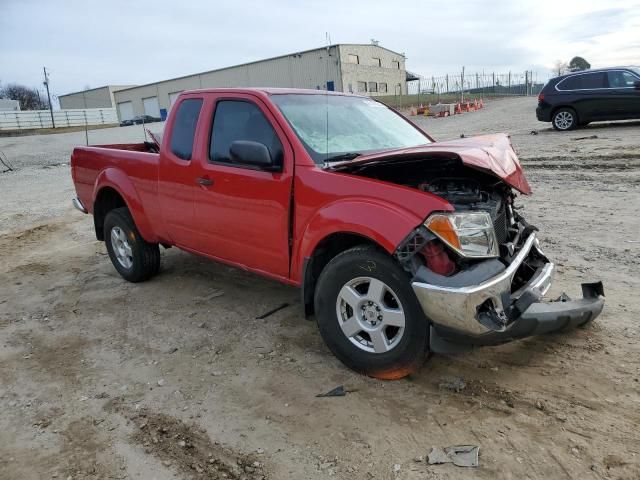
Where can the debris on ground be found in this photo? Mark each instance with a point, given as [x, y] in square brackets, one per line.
[271, 312]
[591, 137]
[459, 455]
[453, 384]
[339, 391]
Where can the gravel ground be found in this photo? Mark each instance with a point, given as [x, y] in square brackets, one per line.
[176, 378]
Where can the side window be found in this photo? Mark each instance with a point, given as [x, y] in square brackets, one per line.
[184, 128]
[239, 120]
[620, 79]
[585, 81]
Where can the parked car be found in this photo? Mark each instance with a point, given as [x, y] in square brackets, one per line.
[139, 120]
[575, 99]
[400, 244]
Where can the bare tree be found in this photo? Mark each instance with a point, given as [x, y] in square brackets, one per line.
[560, 67]
[29, 98]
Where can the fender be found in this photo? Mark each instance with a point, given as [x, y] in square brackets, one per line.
[384, 223]
[121, 183]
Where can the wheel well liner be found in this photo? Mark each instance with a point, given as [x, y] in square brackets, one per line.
[106, 200]
[326, 249]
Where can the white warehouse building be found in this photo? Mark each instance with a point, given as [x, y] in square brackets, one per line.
[367, 69]
[101, 97]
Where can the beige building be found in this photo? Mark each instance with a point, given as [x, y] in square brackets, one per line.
[358, 68]
[101, 97]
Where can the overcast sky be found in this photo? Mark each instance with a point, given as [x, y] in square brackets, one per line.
[95, 43]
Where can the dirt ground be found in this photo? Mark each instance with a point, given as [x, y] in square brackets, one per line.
[177, 378]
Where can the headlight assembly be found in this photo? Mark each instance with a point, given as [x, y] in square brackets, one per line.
[470, 234]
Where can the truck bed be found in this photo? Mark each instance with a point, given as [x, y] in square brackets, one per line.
[134, 162]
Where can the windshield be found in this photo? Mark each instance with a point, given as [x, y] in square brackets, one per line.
[355, 125]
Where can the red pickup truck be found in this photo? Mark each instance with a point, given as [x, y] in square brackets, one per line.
[401, 245]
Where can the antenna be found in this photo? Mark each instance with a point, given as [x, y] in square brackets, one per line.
[326, 89]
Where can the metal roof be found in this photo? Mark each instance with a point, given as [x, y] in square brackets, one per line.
[335, 45]
[111, 87]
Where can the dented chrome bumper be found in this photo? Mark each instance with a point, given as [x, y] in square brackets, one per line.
[457, 307]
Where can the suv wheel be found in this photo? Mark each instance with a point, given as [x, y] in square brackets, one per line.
[369, 316]
[134, 258]
[565, 119]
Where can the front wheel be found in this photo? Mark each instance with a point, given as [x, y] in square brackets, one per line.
[565, 119]
[369, 316]
[134, 258]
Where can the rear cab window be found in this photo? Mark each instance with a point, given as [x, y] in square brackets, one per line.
[184, 128]
[241, 120]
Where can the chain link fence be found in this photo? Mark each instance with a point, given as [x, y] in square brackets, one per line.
[462, 86]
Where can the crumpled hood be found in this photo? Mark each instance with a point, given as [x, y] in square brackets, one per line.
[490, 153]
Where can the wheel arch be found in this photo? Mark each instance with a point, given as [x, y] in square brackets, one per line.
[325, 250]
[114, 189]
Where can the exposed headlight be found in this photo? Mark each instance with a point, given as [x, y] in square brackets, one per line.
[471, 234]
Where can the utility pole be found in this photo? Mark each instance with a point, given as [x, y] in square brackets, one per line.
[46, 84]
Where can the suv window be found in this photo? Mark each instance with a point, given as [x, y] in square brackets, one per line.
[621, 79]
[583, 81]
[240, 120]
[184, 128]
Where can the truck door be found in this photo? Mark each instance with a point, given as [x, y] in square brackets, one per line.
[242, 211]
[176, 184]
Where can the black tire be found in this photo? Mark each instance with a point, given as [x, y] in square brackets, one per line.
[564, 119]
[145, 256]
[412, 346]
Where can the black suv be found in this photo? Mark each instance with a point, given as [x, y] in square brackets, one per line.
[578, 98]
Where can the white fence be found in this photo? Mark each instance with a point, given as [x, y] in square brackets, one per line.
[63, 118]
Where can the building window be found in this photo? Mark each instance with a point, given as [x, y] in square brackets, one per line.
[353, 58]
[377, 62]
[395, 64]
[373, 87]
[382, 87]
[362, 87]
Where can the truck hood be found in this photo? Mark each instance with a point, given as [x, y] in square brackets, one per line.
[490, 153]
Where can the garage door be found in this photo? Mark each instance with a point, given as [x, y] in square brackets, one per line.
[125, 111]
[173, 96]
[151, 106]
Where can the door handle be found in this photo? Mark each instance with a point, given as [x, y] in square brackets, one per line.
[204, 181]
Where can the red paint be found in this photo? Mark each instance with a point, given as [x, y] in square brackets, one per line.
[244, 218]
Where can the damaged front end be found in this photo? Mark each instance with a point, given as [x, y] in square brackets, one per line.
[479, 273]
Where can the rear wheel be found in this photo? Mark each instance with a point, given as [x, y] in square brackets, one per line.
[565, 119]
[369, 316]
[134, 258]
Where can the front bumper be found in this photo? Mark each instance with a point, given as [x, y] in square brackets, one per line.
[478, 307]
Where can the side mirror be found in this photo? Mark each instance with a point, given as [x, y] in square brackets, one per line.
[251, 153]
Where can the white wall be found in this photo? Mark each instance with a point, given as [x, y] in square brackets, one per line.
[63, 118]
